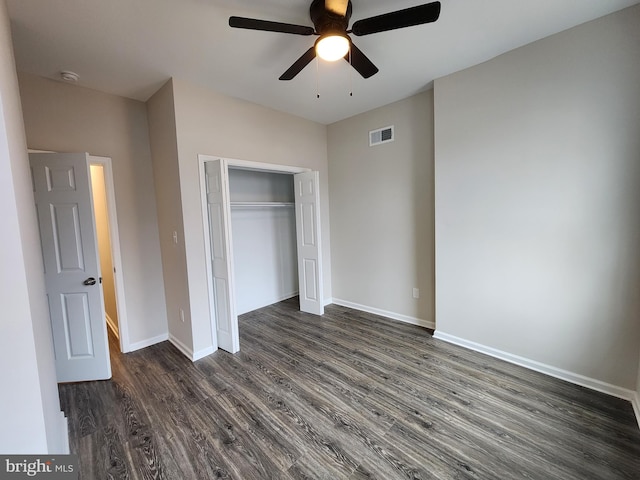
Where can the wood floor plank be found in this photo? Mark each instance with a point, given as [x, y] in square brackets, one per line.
[524, 402]
[194, 444]
[348, 395]
[245, 457]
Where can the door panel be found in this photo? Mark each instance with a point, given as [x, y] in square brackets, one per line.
[69, 249]
[77, 326]
[221, 256]
[310, 273]
[307, 197]
[308, 230]
[67, 241]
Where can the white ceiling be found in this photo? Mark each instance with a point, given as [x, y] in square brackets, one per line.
[131, 47]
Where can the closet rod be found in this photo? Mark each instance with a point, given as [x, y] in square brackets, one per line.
[261, 204]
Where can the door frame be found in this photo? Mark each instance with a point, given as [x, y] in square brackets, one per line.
[114, 237]
[233, 163]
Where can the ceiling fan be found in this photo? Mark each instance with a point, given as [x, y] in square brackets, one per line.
[331, 20]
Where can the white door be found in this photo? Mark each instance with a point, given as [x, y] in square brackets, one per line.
[221, 256]
[307, 198]
[72, 269]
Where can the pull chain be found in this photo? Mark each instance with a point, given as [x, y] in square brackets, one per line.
[317, 78]
[350, 74]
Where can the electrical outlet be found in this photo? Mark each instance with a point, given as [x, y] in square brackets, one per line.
[416, 293]
[175, 237]
[182, 315]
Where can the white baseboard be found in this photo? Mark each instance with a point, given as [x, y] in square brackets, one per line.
[188, 352]
[384, 313]
[281, 298]
[202, 353]
[327, 301]
[550, 370]
[112, 326]
[287, 296]
[148, 342]
[635, 402]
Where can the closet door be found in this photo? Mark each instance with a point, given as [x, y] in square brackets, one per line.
[307, 198]
[221, 256]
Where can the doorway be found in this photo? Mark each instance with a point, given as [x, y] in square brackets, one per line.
[107, 236]
[62, 195]
[263, 238]
[101, 215]
[68, 232]
[216, 211]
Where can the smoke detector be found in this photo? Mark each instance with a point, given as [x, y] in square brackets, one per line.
[69, 76]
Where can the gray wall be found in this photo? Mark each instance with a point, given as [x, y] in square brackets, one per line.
[164, 150]
[382, 210]
[29, 406]
[636, 402]
[68, 118]
[537, 179]
[209, 123]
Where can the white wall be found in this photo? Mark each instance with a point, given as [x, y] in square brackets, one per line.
[537, 178]
[29, 407]
[257, 186]
[210, 123]
[264, 238]
[265, 256]
[69, 118]
[382, 210]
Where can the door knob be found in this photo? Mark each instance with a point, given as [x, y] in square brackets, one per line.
[90, 281]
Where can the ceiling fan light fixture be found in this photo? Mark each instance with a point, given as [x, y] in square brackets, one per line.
[332, 46]
[330, 20]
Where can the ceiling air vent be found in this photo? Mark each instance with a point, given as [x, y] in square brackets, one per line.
[381, 135]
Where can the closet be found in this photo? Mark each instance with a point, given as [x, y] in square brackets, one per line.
[263, 233]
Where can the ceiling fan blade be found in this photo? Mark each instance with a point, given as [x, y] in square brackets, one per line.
[299, 64]
[267, 26]
[361, 62]
[339, 7]
[408, 17]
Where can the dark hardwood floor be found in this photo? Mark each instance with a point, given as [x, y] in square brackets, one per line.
[349, 395]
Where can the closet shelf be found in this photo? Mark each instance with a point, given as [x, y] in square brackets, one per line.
[261, 204]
